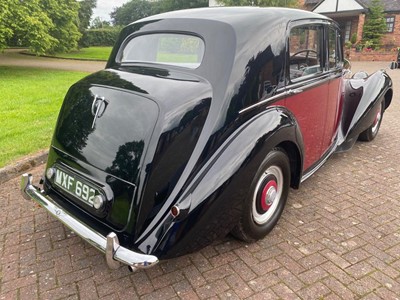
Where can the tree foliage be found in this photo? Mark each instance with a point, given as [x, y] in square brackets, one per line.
[99, 23]
[170, 5]
[375, 25]
[137, 9]
[5, 31]
[85, 12]
[45, 26]
[25, 22]
[64, 16]
[132, 11]
[281, 3]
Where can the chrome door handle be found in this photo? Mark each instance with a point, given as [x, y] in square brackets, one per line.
[294, 91]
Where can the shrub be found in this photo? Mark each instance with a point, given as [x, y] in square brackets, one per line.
[353, 38]
[348, 45]
[375, 25]
[100, 37]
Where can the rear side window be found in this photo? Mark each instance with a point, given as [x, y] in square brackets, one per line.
[165, 48]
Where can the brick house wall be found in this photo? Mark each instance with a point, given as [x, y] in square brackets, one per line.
[353, 55]
[359, 25]
[390, 40]
[390, 44]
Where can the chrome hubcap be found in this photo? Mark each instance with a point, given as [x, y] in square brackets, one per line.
[377, 121]
[271, 195]
[267, 195]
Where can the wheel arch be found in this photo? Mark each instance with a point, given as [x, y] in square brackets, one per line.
[388, 97]
[295, 160]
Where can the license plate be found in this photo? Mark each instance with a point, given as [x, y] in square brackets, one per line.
[75, 186]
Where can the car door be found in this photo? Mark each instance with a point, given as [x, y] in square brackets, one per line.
[307, 87]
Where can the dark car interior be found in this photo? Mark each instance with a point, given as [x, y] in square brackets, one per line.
[304, 46]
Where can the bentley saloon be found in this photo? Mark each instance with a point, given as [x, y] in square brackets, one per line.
[199, 126]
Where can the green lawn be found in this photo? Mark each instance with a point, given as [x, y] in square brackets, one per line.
[30, 101]
[176, 58]
[98, 53]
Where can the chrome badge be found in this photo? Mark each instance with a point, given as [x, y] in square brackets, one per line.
[99, 106]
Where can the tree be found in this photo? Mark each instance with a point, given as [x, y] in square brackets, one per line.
[375, 25]
[64, 16]
[42, 25]
[170, 5]
[85, 12]
[282, 3]
[98, 23]
[137, 9]
[132, 11]
[5, 31]
[27, 23]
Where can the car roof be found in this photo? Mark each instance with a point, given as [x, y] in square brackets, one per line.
[234, 36]
[238, 16]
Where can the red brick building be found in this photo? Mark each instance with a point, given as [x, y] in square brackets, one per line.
[351, 14]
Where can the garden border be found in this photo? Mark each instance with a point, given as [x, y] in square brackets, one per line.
[23, 165]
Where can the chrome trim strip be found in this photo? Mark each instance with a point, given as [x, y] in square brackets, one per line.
[273, 98]
[320, 163]
[108, 245]
[305, 84]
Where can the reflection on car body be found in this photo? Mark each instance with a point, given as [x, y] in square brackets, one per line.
[200, 124]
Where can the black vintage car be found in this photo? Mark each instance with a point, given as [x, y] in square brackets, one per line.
[199, 125]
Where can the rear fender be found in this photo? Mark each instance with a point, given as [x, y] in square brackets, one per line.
[245, 150]
[213, 199]
[362, 99]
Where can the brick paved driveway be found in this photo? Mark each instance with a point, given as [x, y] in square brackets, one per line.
[339, 238]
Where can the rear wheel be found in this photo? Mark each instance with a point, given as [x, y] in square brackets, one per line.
[371, 132]
[269, 191]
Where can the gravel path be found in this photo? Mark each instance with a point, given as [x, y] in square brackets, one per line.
[12, 57]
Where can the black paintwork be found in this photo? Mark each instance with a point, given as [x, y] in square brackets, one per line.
[173, 136]
[362, 99]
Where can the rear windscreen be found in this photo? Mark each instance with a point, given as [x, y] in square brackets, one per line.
[165, 48]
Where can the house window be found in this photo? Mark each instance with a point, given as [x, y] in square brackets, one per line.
[347, 31]
[390, 24]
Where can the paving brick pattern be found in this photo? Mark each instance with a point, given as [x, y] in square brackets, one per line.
[339, 238]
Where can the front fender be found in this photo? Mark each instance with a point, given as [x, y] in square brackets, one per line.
[211, 204]
[362, 99]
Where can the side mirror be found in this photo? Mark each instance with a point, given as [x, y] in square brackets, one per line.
[394, 65]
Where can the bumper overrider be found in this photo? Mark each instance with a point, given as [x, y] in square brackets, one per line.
[115, 253]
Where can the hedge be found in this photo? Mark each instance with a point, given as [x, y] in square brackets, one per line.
[100, 37]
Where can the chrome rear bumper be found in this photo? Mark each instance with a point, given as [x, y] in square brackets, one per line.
[115, 254]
